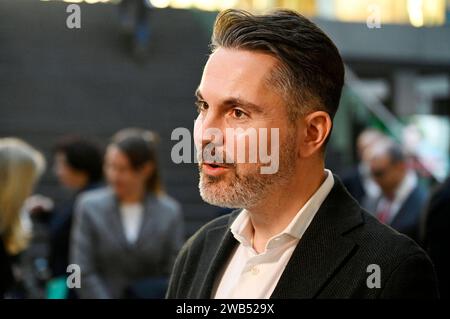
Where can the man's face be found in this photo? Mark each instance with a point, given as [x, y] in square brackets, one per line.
[387, 174]
[67, 175]
[234, 94]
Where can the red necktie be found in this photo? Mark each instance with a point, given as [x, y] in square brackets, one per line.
[384, 213]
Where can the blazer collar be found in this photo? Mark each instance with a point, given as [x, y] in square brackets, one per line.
[323, 247]
[222, 238]
[149, 203]
[317, 256]
[148, 221]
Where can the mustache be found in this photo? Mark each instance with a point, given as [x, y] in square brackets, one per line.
[213, 159]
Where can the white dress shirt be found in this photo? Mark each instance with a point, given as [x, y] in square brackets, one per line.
[131, 220]
[252, 275]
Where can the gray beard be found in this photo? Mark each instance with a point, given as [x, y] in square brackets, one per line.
[249, 189]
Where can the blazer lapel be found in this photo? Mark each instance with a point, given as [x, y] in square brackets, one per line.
[320, 252]
[116, 224]
[147, 223]
[322, 249]
[409, 206]
[217, 237]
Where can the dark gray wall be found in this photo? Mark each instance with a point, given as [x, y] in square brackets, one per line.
[396, 45]
[55, 81]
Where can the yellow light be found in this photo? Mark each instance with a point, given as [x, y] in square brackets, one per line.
[415, 12]
[182, 4]
[160, 3]
[434, 12]
[206, 5]
[227, 4]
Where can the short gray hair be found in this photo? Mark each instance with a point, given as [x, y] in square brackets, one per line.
[310, 74]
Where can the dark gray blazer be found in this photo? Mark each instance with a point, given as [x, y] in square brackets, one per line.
[330, 261]
[109, 264]
[407, 219]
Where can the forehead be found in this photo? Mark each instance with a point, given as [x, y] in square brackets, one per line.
[112, 151]
[380, 160]
[236, 72]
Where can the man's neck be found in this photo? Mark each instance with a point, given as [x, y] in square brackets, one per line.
[278, 210]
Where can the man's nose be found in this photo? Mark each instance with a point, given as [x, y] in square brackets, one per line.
[211, 129]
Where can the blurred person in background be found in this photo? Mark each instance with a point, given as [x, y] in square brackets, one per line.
[127, 235]
[20, 167]
[79, 168]
[402, 197]
[358, 180]
[133, 16]
[436, 235]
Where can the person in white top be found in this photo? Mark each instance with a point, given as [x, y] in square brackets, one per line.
[131, 215]
[130, 168]
[126, 236]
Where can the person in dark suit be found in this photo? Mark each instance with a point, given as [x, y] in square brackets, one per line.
[135, 21]
[296, 233]
[79, 167]
[358, 179]
[403, 198]
[20, 167]
[436, 235]
[126, 236]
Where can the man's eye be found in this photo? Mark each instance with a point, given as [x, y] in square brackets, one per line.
[237, 113]
[201, 106]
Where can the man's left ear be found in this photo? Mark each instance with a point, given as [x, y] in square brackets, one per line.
[317, 128]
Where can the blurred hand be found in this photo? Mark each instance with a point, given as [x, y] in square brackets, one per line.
[38, 204]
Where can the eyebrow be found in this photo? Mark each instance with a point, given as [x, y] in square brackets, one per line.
[235, 101]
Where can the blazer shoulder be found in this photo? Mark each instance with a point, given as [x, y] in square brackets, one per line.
[166, 207]
[385, 243]
[94, 199]
[168, 202]
[407, 270]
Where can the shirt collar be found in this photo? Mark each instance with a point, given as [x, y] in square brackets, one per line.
[408, 184]
[242, 230]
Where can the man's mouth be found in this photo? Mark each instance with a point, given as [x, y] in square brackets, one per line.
[214, 168]
[214, 165]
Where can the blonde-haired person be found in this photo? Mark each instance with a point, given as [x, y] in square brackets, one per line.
[20, 168]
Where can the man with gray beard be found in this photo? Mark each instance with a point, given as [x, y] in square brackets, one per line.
[296, 233]
[245, 186]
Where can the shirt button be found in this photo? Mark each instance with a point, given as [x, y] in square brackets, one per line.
[255, 271]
